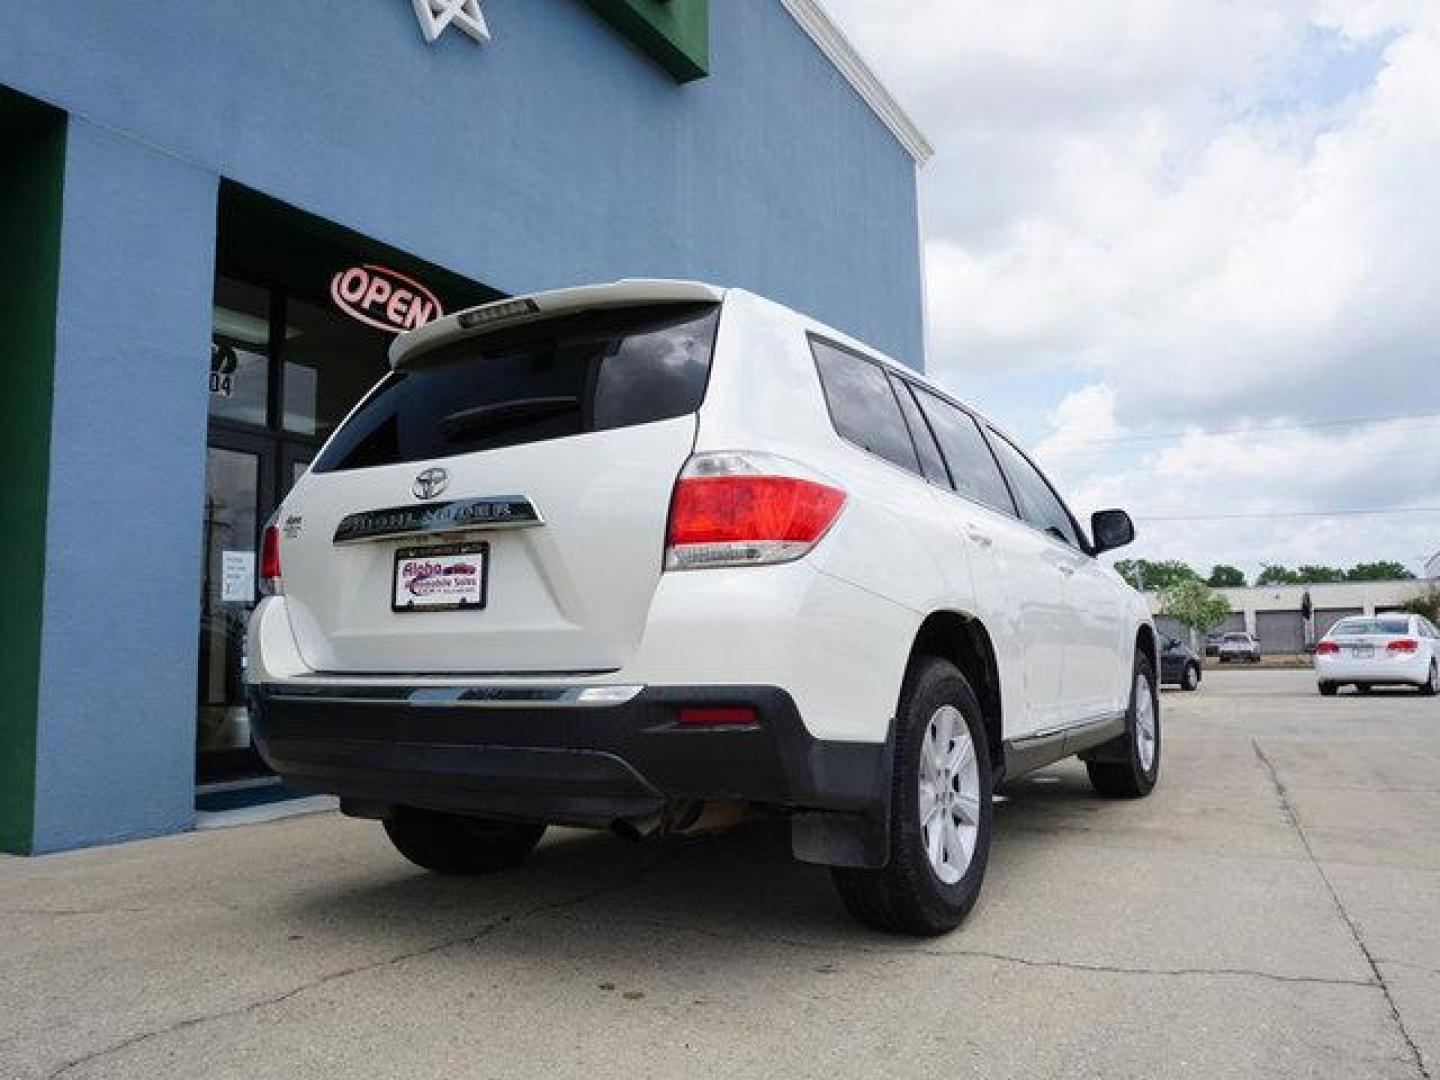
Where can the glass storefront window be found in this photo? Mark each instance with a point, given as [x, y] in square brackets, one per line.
[330, 362]
[240, 353]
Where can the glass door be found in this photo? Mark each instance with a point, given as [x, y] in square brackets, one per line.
[236, 470]
[283, 372]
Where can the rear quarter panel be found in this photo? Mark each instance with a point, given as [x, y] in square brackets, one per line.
[894, 540]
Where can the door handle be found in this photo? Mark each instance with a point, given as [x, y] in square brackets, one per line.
[977, 537]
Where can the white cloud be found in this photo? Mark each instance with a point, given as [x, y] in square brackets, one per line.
[1215, 214]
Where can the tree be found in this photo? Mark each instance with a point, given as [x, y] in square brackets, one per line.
[1278, 575]
[1194, 604]
[1426, 604]
[1319, 575]
[1155, 576]
[1226, 577]
[1379, 571]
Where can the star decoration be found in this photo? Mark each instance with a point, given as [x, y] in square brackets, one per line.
[464, 15]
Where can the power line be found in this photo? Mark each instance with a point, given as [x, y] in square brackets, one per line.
[1263, 514]
[1302, 425]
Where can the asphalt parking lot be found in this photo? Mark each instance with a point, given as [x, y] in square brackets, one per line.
[1273, 910]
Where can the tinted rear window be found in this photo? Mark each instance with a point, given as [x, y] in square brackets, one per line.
[546, 380]
[862, 405]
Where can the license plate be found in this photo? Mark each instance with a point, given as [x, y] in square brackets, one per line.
[449, 578]
[1363, 652]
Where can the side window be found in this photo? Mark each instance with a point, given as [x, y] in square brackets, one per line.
[1038, 503]
[862, 405]
[972, 465]
[931, 463]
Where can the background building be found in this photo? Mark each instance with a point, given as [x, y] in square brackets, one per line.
[1273, 613]
[213, 219]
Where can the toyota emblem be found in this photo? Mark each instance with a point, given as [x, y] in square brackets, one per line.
[430, 483]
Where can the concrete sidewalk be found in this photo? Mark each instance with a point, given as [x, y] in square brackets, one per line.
[1273, 910]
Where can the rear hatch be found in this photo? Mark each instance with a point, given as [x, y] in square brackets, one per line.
[1369, 639]
[498, 504]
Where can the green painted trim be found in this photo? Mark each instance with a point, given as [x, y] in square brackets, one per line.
[674, 33]
[32, 170]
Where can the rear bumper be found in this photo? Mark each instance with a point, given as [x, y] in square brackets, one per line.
[1398, 670]
[615, 753]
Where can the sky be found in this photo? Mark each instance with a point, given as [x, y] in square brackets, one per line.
[1188, 251]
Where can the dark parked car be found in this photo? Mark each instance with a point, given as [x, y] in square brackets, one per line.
[1178, 664]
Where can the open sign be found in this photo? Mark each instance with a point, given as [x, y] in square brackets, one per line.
[383, 298]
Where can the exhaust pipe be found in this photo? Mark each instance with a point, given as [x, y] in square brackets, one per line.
[635, 829]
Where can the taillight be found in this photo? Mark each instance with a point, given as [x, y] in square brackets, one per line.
[1404, 644]
[270, 561]
[1327, 647]
[746, 509]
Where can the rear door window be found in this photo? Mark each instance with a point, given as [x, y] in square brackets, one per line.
[972, 465]
[1039, 505]
[546, 380]
[932, 464]
[862, 405]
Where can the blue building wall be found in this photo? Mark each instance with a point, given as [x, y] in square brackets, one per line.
[555, 155]
[115, 742]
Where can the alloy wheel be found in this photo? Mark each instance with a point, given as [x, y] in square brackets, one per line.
[949, 794]
[1145, 728]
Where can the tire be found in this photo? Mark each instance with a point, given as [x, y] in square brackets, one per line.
[1431, 687]
[1128, 767]
[1329, 689]
[1190, 680]
[460, 846]
[917, 893]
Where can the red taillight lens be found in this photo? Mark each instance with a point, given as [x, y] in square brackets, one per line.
[270, 560]
[716, 716]
[1327, 647]
[1403, 644]
[746, 518]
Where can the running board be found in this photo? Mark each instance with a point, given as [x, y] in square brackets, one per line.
[1036, 751]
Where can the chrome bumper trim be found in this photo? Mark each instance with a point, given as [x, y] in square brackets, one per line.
[468, 696]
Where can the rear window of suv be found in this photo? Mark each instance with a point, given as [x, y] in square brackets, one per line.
[545, 380]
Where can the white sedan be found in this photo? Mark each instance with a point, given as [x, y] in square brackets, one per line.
[1380, 650]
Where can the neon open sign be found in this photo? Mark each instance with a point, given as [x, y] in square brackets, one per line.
[383, 298]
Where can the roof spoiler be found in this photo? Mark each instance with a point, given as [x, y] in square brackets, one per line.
[473, 322]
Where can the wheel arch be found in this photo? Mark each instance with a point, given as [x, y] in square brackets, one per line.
[1147, 640]
[964, 641]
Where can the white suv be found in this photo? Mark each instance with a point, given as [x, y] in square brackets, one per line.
[654, 555]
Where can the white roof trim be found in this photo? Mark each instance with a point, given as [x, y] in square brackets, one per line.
[838, 49]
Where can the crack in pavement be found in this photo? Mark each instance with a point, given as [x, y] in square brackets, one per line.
[485, 930]
[1292, 816]
[65, 913]
[982, 954]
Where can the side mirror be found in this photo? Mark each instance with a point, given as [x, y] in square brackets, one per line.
[1111, 529]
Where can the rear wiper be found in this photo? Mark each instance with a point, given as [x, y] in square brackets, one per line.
[482, 418]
